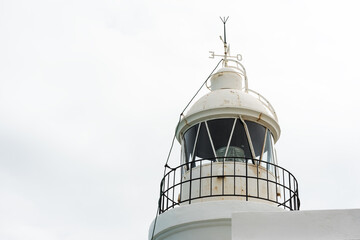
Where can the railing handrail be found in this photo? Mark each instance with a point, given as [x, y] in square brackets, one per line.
[288, 186]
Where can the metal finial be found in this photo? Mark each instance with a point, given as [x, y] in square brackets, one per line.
[224, 20]
[226, 56]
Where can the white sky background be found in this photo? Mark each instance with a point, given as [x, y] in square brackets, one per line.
[90, 94]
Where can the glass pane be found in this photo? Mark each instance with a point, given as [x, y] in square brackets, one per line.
[189, 141]
[220, 130]
[239, 146]
[257, 135]
[203, 149]
[268, 151]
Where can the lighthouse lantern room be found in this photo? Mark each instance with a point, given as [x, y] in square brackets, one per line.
[228, 160]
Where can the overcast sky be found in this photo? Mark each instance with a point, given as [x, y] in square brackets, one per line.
[90, 94]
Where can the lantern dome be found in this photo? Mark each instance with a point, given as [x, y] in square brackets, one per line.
[229, 99]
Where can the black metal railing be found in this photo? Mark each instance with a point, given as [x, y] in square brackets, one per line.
[228, 178]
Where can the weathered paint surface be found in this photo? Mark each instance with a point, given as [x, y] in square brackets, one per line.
[257, 186]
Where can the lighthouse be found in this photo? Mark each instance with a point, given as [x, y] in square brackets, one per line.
[228, 183]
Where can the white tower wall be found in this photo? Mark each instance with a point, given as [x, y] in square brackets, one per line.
[236, 220]
[203, 221]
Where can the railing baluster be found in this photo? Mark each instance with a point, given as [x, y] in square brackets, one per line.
[200, 179]
[170, 186]
[290, 192]
[246, 178]
[181, 183]
[163, 198]
[257, 178]
[173, 190]
[223, 178]
[276, 192]
[284, 187]
[167, 191]
[190, 185]
[211, 177]
[234, 177]
[267, 182]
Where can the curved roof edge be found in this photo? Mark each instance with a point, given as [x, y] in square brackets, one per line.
[229, 112]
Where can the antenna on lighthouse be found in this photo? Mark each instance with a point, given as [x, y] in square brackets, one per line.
[224, 20]
[226, 55]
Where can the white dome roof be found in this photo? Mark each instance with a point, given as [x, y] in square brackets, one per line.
[228, 98]
[224, 103]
